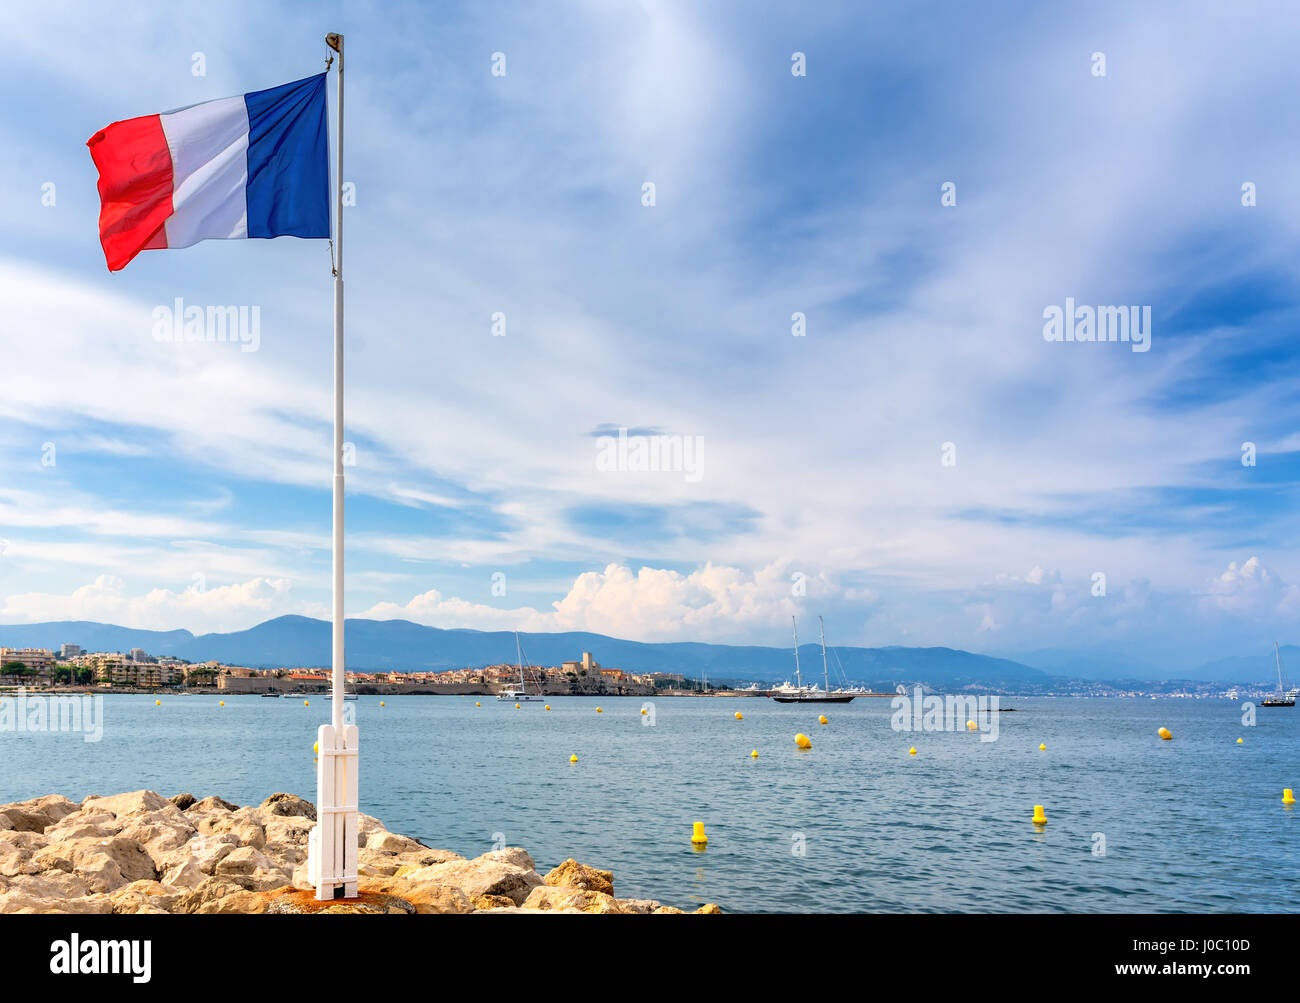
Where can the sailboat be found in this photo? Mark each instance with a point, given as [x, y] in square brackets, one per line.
[521, 695]
[1286, 693]
[799, 693]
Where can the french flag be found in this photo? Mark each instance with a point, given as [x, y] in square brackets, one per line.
[256, 165]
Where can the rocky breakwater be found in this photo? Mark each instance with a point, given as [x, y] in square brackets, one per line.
[143, 853]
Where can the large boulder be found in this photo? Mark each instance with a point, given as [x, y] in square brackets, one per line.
[16, 849]
[47, 884]
[219, 895]
[252, 869]
[212, 803]
[480, 876]
[143, 897]
[366, 824]
[79, 827]
[104, 864]
[124, 804]
[572, 874]
[35, 815]
[391, 842]
[18, 901]
[244, 824]
[184, 874]
[204, 851]
[642, 907]
[286, 838]
[516, 856]
[426, 895]
[549, 897]
[158, 831]
[288, 805]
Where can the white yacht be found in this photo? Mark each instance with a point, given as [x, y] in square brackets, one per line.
[799, 693]
[521, 694]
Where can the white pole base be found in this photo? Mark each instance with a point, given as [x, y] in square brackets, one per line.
[332, 844]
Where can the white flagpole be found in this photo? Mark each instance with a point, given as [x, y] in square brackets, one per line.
[332, 847]
[338, 660]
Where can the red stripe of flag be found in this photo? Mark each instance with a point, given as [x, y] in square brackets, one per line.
[135, 187]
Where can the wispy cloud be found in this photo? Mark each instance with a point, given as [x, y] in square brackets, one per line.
[776, 195]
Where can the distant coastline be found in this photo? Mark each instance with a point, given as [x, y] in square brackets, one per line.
[400, 647]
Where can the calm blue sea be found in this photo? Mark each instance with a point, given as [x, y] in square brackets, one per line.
[1195, 824]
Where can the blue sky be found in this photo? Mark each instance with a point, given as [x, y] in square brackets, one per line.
[190, 483]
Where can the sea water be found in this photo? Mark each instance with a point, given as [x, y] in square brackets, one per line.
[855, 823]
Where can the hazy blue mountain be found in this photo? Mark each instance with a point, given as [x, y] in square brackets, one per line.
[1257, 668]
[1098, 663]
[93, 637]
[404, 646]
[399, 645]
[1110, 663]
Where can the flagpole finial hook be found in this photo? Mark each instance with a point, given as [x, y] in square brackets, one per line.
[334, 41]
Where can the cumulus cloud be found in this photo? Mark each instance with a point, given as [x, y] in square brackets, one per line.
[711, 603]
[1250, 588]
[107, 600]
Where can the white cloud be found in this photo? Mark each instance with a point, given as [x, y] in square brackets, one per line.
[107, 600]
[712, 603]
[1250, 588]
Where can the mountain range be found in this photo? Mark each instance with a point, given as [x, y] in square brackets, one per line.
[403, 646]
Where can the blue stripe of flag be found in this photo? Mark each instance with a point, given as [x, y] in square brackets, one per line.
[288, 160]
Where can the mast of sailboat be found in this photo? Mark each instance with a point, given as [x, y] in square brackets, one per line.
[798, 679]
[1277, 655]
[519, 655]
[826, 672]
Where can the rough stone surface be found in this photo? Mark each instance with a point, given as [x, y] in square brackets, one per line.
[140, 853]
[549, 897]
[572, 874]
[288, 805]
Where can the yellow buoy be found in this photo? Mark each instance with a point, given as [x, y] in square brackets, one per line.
[1287, 796]
[698, 835]
[740, 716]
[306, 704]
[803, 741]
[382, 704]
[573, 758]
[157, 703]
[1039, 817]
[516, 706]
[971, 726]
[1165, 733]
[315, 747]
[600, 710]
[477, 704]
[1042, 747]
[912, 751]
[643, 712]
[1238, 741]
[548, 706]
[222, 702]
[821, 719]
[754, 754]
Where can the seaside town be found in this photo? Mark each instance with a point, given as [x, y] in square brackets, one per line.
[137, 670]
